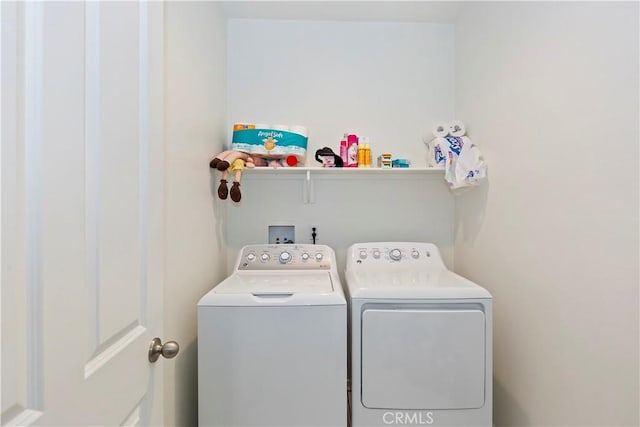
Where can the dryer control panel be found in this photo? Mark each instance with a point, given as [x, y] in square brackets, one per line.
[286, 257]
[384, 254]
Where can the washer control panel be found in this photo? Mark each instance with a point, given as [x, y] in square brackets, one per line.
[368, 255]
[285, 257]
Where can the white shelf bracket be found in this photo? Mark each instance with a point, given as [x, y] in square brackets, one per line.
[308, 194]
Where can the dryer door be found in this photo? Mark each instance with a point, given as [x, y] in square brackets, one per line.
[423, 358]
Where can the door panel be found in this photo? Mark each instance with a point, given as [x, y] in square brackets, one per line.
[118, 179]
[81, 212]
[423, 358]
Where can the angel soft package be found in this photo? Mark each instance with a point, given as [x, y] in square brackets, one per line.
[271, 142]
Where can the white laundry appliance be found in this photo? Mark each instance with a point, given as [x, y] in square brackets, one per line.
[272, 341]
[421, 339]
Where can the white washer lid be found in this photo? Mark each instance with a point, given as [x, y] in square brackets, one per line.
[276, 283]
[272, 288]
[404, 284]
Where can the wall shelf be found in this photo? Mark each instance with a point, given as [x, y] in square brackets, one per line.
[308, 174]
[341, 171]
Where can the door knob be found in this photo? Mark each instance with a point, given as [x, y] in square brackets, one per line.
[168, 350]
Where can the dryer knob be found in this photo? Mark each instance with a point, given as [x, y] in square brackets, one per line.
[265, 257]
[395, 254]
[285, 257]
[415, 254]
[251, 257]
[305, 256]
[363, 254]
[376, 254]
[319, 257]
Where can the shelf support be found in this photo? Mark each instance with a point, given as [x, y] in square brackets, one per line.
[308, 196]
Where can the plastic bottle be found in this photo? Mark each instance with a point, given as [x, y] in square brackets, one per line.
[361, 153]
[352, 151]
[367, 154]
[343, 151]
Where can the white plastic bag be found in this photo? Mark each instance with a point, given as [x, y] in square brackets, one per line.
[464, 166]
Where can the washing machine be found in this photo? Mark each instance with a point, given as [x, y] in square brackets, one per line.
[421, 339]
[272, 341]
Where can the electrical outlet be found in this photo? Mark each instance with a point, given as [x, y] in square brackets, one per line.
[282, 234]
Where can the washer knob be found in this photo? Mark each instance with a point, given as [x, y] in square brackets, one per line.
[319, 257]
[305, 256]
[363, 254]
[285, 257]
[415, 254]
[395, 254]
[251, 257]
[265, 257]
[376, 254]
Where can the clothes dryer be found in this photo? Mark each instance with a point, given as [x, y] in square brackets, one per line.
[421, 339]
[272, 341]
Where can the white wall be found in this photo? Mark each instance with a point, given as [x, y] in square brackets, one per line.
[388, 81]
[195, 130]
[347, 208]
[550, 91]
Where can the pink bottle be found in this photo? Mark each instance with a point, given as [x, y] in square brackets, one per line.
[352, 151]
[343, 151]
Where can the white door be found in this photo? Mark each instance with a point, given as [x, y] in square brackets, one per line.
[82, 212]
